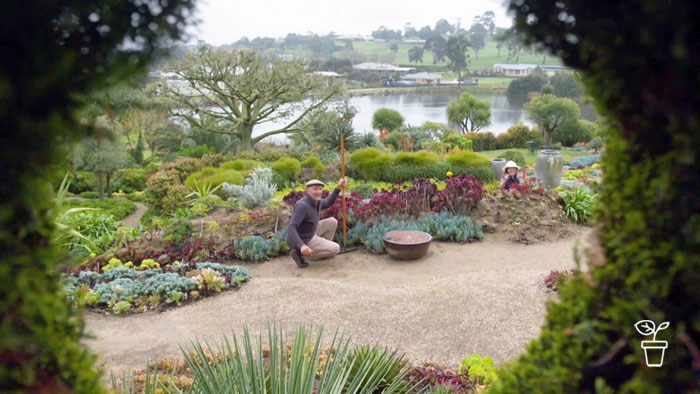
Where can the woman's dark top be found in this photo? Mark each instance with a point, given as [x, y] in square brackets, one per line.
[510, 181]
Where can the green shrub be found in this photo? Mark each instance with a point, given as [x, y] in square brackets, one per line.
[151, 168]
[195, 151]
[437, 147]
[89, 195]
[515, 155]
[455, 140]
[165, 192]
[403, 173]
[136, 197]
[315, 163]
[119, 208]
[400, 141]
[366, 190]
[468, 159]
[82, 181]
[595, 143]
[214, 177]
[517, 137]
[177, 231]
[288, 168]
[129, 180]
[182, 168]
[483, 173]
[483, 141]
[268, 153]
[242, 165]
[370, 162]
[421, 158]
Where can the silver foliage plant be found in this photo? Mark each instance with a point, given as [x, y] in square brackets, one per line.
[257, 191]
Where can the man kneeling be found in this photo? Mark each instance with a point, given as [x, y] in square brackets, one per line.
[308, 237]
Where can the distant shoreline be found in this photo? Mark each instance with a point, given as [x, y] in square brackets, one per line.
[386, 90]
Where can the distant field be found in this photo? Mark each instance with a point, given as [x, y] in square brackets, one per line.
[378, 51]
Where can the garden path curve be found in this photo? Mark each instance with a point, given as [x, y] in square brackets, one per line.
[484, 297]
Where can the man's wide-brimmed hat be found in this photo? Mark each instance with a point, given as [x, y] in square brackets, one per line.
[510, 164]
[314, 182]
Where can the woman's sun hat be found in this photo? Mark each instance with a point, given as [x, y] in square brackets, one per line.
[510, 164]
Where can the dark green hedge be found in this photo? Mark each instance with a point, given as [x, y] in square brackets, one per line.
[648, 261]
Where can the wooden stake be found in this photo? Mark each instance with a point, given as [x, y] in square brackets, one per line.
[342, 174]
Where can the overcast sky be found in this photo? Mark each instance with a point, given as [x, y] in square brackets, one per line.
[226, 21]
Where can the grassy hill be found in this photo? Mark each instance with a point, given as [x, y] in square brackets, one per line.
[379, 51]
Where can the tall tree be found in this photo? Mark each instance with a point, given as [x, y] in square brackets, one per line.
[477, 36]
[550, 112]
[457, 54]
[469, 112]
[487, 20]
[566, 84]
[443, 27]
[415, 54]
[55, 56]
[425, 32]
[239, 90]
[438, 46]
[103, 156]
[640, 62]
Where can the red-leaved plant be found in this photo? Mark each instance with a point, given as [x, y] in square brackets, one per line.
[461, 194]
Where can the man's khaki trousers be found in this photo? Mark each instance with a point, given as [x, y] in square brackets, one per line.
[322, 243]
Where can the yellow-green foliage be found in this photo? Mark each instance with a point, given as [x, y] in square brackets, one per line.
[370, 162]
[458, 141]
[243, 165]
[422, 158]
[469, 159]
[214, 177]
[288, 168]
[315, 163]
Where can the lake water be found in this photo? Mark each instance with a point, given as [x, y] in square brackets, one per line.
[418, 108]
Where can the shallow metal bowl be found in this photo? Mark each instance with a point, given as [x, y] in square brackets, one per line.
[407, 244]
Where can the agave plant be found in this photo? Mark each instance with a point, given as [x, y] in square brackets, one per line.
[202, 190]
[303, 366]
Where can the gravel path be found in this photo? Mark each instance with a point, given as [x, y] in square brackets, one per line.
[485, 297]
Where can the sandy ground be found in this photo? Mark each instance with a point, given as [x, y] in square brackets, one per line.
[485, 297]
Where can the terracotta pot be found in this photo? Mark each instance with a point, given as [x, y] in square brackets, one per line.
[407, 244]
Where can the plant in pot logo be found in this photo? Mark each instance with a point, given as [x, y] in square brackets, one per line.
[653, 350]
